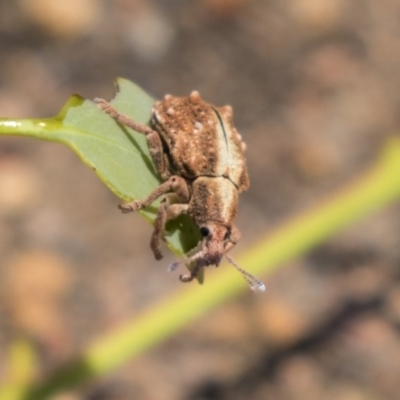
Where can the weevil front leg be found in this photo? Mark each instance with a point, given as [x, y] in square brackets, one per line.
[193, 273]
[153, 138]
[175, 183]
[166, 213]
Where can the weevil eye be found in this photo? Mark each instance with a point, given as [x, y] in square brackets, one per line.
[226, 236]
[204, 231]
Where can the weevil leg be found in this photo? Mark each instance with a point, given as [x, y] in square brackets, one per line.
[159, 228]
[166, 213]
[122, 118]
[153, 138]
[174, 183]
[191, 275]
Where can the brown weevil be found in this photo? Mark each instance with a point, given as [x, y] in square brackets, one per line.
[200, 157]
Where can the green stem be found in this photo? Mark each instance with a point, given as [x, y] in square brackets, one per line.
[379, 187]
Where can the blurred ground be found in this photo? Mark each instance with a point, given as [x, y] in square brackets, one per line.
[315, 86]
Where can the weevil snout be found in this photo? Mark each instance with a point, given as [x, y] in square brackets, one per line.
[213, 242]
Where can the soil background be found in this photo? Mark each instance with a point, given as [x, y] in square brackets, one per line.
[315, 88]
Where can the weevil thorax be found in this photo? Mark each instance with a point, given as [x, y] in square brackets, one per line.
[213, 206]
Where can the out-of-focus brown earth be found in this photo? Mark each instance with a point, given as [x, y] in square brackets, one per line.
[315, 85]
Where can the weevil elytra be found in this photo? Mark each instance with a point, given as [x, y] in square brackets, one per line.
[200, 157]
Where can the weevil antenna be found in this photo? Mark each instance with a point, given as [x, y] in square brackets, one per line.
[186, 260]
[194, 257]
[174, 265]
[253, 282]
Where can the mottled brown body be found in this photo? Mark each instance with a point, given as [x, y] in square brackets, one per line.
[200, 157]
[200, 139]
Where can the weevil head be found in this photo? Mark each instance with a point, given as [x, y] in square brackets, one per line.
[214, 239]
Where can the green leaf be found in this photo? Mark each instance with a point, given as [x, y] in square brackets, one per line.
[118, 155]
